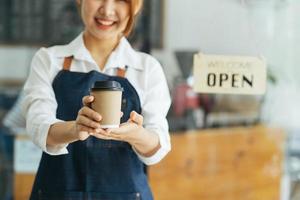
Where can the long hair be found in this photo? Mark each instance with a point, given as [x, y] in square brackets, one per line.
[135, 8]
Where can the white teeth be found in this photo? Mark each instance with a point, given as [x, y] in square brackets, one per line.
[104, 22]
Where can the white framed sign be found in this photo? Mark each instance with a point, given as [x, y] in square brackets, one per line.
[229, 74]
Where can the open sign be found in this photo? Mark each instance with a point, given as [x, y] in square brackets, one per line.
[229, 74]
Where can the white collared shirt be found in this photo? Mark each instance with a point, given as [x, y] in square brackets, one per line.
[144, 73]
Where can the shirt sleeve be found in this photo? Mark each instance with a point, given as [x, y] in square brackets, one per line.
[39, 104]
[154, 110]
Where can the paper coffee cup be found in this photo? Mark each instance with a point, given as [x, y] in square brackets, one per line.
[107, 102]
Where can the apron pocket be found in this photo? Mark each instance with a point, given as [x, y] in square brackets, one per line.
[88, 196]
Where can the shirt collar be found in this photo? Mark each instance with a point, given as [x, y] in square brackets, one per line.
[123, 55]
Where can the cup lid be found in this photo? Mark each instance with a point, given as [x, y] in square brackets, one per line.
[107, 85]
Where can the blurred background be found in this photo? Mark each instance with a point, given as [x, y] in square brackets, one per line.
[223, 146]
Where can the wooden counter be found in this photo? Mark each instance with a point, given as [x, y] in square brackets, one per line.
[227, 164]
[22, 186]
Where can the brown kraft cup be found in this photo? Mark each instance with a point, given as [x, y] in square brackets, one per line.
[107, 102]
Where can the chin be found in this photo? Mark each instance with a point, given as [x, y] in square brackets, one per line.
[101, 35]
[105, 37]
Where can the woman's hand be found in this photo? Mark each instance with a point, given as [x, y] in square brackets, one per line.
[131, 131]
[88, 121]
[143, 141]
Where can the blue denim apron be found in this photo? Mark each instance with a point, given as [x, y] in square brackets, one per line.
[93, 169]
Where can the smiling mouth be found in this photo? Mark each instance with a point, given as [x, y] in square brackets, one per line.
[104, 24]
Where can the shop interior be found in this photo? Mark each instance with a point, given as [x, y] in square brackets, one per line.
[224, 146]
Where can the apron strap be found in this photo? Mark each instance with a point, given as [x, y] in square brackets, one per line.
[67, 63]
[121, 72]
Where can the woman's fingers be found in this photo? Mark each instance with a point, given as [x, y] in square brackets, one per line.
[101, 134]
[83, 135]
[87, 100]
[83, 128]
[88, 121]
[85, 121]
[85, 132]
[88, 112]
[136, 118]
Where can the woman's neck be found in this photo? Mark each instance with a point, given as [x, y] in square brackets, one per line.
[99, 49]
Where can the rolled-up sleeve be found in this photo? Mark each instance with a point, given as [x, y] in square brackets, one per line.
[154, 110]
[39, 104]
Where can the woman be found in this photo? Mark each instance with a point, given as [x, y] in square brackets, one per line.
[81, 160]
